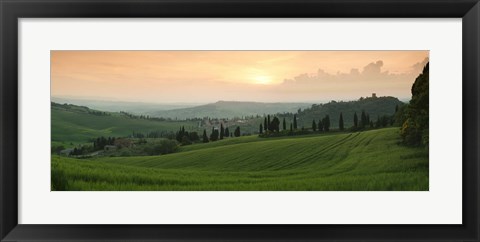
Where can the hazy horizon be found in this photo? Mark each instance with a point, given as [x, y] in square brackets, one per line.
[202, 77]
[98, 99]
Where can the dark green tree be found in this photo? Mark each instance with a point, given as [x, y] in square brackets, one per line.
[214, 135]
[265, 125]
[295, 121]
[355, 120]
[222, 131]
[314, 125]
[186, 140]
[326, 123]
[284, 124]
[180, 134]
[363, 120]
[275, 125]
[269, 128]
[227, 132]
[340, 122]
[400, 116]
[193, 136]
[237, 131]
[261, 129]
[320, 125]
[414, 130]
[205, 137]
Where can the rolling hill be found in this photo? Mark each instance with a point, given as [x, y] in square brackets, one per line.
[229, 109]
[77, 124]
[374, 106]
[362, 161]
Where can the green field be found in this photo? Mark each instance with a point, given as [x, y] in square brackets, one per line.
[361, 161]
[78, 127]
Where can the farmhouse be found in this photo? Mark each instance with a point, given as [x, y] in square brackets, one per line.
[123, 143]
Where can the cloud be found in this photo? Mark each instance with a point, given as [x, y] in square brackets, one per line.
[372, 79]
[418, 67]
[373, 68]
[371, 72]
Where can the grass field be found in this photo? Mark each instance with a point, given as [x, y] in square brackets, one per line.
[370, 160]
[78, 127]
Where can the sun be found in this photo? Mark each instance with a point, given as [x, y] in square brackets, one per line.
[264, 80]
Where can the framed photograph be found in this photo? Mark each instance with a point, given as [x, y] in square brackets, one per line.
[239, 120]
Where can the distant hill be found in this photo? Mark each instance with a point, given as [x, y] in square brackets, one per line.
[78, 124]
[374, 106]
[139, 108]
[229, 109]
[72, 123]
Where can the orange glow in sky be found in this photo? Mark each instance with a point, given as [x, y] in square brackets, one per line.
[209, 76]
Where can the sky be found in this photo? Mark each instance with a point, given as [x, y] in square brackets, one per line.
[210, 76]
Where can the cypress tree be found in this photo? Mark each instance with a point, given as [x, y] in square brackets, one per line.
[326, 124]
[275, 125]
[227, 132]
[269, 124]
[261, 129]
[214, 134]
[265, 124]
[320, 125]
[291, 127]
[314, 125]
[340, 122]
[295, 121]
[205, 138]
[363, 119]
[284, 124]
[222, 131]
[237, 131]
[355, 120]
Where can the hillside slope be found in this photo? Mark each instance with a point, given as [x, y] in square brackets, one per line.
[374, 106]
[371, 160]
[229, 109]
[72, 123]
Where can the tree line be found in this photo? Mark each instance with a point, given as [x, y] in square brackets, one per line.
[271, 126]
[185, 138]
[219, 134]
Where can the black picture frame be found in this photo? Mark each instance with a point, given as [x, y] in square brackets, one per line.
[12, 10]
